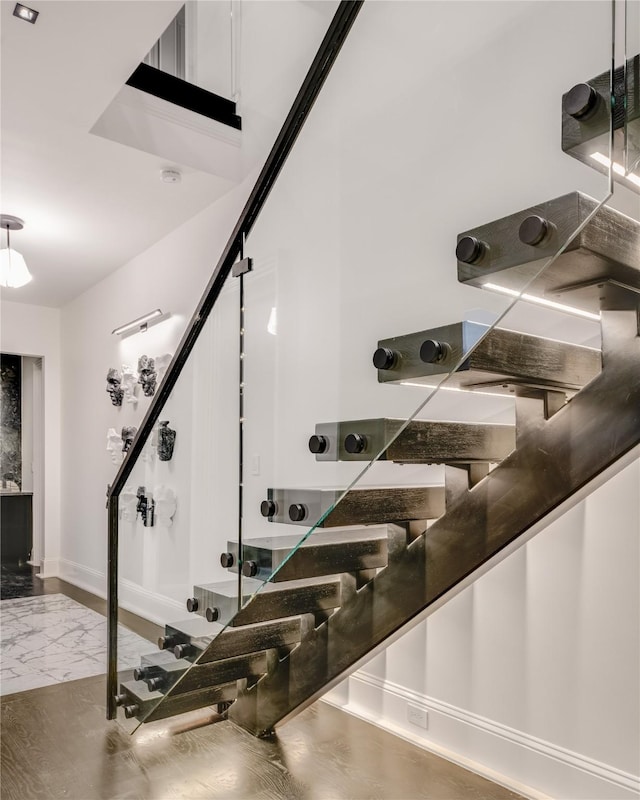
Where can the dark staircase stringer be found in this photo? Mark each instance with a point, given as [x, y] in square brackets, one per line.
[554, 458]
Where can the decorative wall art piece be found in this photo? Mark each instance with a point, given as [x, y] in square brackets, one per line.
[11, 422]
[165, 505]
[114, 386]
[128, 435]
[145, 507]
[162, 363]
[129, 383]
[128, 504]
[115, 446]
[166, 440]
[147, 375]
[149, 449]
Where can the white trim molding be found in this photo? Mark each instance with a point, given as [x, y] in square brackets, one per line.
[535, 768]
[131, 597]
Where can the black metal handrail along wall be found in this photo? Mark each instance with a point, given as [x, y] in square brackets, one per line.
[302, 105]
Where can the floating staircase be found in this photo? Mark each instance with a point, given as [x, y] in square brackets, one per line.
[302, 610]
[385, 555]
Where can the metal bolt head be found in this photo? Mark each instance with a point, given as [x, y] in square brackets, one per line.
[318, 444]
[355, 443]
[470, 250]
[384, 358]
[297, 512]
[581, 101]
[130, 711]
[249, 569]
[211, 614]
[226, 560]
[268, 508]
[180, 650]
[534, 230]
[431, 351]
[192, 604]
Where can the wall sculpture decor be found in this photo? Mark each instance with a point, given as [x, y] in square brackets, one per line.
[145, 507]
[128, 434]
[114, 386]
[149, 448]
[115, 446]
[166, 440]
[165, 505]
[128, 504]
[162, 363]
[129, 383]
[147, 375]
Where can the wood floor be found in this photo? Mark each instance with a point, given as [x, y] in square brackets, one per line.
[56, 743]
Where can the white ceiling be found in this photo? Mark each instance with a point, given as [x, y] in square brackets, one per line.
[89, 204]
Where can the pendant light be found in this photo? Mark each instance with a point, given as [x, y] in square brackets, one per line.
[13, 270]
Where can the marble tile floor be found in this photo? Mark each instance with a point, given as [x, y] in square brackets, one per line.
[51, 638]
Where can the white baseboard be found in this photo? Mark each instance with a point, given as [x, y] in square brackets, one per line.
[131, 597]
[523, 763]
[49, 568]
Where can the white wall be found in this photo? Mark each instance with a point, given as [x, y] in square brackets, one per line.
[531, 674]
[35, 331]
[436, 118]
[171, 275]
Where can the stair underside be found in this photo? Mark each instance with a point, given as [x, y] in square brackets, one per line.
[555, 457]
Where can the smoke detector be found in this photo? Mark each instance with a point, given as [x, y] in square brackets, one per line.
[170, 176]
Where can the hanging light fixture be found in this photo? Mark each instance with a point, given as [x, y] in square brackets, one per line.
[13, 270]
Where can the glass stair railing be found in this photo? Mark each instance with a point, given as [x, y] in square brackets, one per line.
[340, 356]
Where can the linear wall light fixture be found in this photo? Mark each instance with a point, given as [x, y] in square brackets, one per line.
[13, 269]
[27, 14]
[142, 323]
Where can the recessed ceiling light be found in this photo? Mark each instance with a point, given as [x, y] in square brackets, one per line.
[27, 14]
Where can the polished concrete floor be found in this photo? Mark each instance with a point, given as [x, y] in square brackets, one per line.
[56, 743]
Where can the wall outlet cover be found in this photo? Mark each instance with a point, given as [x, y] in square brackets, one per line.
[417, 716]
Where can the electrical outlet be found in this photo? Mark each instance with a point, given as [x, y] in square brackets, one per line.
[417, 716]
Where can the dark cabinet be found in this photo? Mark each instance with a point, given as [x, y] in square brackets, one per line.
[16, 525]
